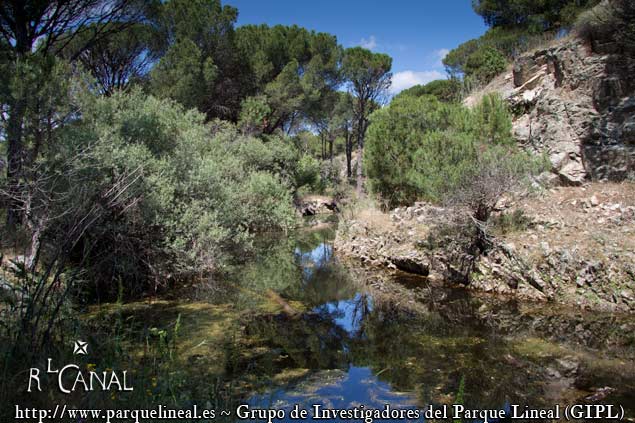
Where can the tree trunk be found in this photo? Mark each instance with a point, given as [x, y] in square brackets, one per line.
[34, 250]
[14, 161]
[331, 142]
[481, 240]
[349, 154]
[322, 142]
[360, 148]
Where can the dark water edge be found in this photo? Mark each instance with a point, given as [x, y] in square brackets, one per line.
[294, 325]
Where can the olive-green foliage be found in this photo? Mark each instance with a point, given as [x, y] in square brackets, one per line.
[290, 69]
[516, 221]
[491, 121]
[253, 114]
[199, 66]
[484, 64]
[477, 61]
[610, 21]
[515, 27]
[422, 149]
[367, 72]
[201, 190]
[536, 15]
[481, 59]
[183, 74]
[117, 61]
[308, 172]
[446, 90]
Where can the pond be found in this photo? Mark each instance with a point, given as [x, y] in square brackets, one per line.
[295, 324]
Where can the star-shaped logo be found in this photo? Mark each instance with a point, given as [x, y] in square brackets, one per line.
[81, 348]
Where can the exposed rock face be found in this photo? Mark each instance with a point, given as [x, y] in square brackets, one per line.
[576, 104]
[577, 247]
[411, 265]
[391, 245]
[315, 205]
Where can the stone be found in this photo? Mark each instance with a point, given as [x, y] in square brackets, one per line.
[411, 265]
[627, 295]
[568, 365]
[573, 173]
[600, 394]
[7, 292]
[594, 200]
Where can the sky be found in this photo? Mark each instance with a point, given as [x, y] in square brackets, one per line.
[415, 33]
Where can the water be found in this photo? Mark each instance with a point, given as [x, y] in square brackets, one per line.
[295, 325]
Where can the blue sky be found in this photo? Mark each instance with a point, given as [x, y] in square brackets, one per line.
[416, 33]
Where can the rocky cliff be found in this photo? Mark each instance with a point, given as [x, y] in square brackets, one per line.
[575, 102]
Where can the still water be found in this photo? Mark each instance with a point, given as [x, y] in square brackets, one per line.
[297, 325]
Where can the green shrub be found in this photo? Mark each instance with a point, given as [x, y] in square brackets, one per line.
[421, 149]
[445, 90]
[516, 221]
[484, 64]
[308, 172]
[196, 192]
[610, 21]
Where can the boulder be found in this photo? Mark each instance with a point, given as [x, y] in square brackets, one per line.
[411, 265]
[317, 205]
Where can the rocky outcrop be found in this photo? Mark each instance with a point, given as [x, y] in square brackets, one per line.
[576, 247]
[575, 103]
[388, 247]
[315, 205]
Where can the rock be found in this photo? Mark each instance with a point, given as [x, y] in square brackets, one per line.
[553, 373]
[411, 265]
[580, 281]
[524, 69]
[600, 394]
[8, 293]
[626, 294]
[545, 248]
[572, 173]
[575, 106]
[317, 205]
[568, 365]
[594, 200]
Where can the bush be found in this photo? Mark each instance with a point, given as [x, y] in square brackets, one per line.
[610, 21]
[445, 90]
[480, 60]
[420, 148]
[516, 221]
[533, 15]
[308, 172]
[484, 64]
[195, 192]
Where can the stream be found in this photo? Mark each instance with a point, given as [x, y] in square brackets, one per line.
[296, 325]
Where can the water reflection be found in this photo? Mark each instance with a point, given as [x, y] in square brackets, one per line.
[317, 258]
[336, 389]
[357, 352]
[297, 326]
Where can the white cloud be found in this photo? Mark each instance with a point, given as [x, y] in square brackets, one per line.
[407, 79]
[435, 59]
[370, 43]
[441, 53]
